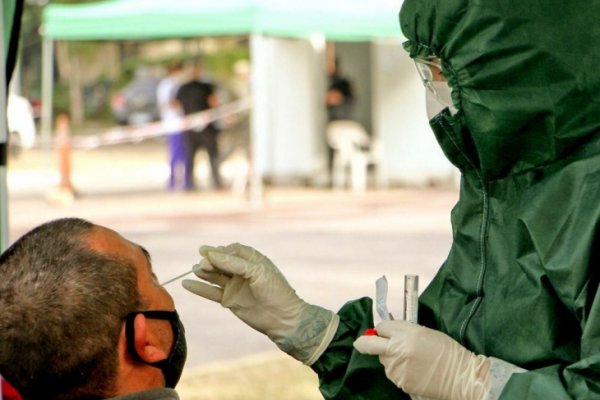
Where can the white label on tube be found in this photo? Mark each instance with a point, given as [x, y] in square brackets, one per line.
[381, 290]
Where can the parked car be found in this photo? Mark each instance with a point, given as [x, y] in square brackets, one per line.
[136, 102]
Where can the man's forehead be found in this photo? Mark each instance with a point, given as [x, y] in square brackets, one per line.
[148, 257]
[109, 242]
[146, 252]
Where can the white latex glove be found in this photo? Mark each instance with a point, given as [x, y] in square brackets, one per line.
[251, 286]
[428, 363]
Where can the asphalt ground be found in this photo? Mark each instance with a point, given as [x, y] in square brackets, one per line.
[331, 245]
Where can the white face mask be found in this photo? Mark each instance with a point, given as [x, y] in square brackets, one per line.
[438, 101]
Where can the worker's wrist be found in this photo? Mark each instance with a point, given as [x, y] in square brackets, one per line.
[500, 372]
[315, 330]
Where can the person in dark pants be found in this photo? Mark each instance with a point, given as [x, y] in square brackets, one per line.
[194, 96]
[339, 100]
[170, 116]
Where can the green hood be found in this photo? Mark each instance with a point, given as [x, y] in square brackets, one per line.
[524, 75]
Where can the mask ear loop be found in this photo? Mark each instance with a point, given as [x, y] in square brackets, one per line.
[171, 373]
[130, 336]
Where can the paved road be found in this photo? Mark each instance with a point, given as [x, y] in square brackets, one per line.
[331, 245]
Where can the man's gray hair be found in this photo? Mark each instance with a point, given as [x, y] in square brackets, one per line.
[62, 307]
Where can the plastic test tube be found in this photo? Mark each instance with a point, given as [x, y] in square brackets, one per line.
[411, 298]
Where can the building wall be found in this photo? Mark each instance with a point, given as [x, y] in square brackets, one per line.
[411, 154]
[288, 112]
[355, 59]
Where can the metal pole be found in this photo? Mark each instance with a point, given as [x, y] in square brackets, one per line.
[258, 121]
[47, 86]
[3, 142]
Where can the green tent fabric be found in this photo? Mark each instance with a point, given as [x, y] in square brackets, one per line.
[351, 20]
[7, 23]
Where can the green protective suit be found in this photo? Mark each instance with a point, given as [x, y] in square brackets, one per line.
[521, 280]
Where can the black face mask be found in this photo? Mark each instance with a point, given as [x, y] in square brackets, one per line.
[455, 138]
[172, 366]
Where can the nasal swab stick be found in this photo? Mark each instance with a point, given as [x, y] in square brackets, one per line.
[175, 278]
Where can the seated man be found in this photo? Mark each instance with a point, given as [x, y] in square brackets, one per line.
[82, 316]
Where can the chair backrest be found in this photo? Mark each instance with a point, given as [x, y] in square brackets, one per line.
[346, 135]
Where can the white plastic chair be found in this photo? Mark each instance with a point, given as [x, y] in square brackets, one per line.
[19, 115]
[351, 145]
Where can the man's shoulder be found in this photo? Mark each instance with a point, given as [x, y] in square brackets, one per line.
[153, 394]
[198, 84]
[195, 86]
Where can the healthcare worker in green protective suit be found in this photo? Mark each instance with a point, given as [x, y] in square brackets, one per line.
[514, 312]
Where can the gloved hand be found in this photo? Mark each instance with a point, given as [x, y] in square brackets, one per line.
[427, 363]
[251, 286]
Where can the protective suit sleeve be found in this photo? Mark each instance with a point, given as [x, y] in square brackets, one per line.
[344, 373]
[579, 378]
[576, 381]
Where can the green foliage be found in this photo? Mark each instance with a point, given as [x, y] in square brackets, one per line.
[220, 64]
[60, 98]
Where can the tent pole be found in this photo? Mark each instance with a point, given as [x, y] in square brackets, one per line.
[258, 118]
[4, 208]
[47, 87]
[3, 141]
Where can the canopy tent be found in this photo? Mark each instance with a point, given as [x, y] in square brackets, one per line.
[352, 20]
[347, 20]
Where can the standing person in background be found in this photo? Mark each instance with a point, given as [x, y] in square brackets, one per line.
[339, 100]
[340, 93]
[194, 96]
[170, 116]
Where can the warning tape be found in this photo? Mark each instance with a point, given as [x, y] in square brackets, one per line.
[138, 133]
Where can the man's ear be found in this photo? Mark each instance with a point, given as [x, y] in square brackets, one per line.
[146, 344]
